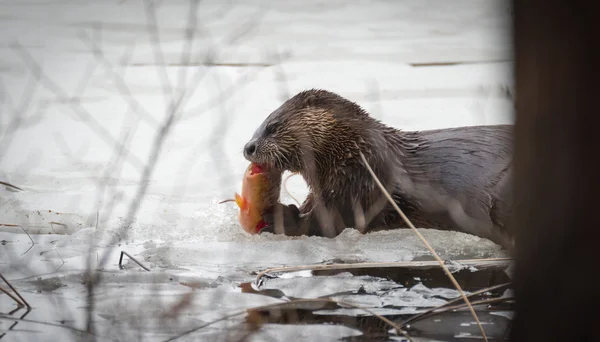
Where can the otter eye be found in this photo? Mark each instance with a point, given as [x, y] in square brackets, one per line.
[272, 127]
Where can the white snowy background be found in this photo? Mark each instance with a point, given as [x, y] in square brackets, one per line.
[86, 87]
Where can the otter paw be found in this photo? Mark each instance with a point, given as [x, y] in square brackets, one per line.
[282, 219]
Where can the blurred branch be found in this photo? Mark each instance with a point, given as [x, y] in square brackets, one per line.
[186, 53]
[83, 114]
[19, 113]
[556, 184]
[156, 48]
[118, 80]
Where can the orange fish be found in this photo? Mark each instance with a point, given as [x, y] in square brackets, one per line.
[260, 191]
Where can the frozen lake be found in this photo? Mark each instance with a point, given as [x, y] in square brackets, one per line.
[86, 89]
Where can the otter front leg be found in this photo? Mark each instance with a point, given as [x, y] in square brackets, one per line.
[288, 219]
[283, 219]
[311, 219]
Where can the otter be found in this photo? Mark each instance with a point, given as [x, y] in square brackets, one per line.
[451, 179]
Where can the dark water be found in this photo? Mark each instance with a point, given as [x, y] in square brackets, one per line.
[451, 325]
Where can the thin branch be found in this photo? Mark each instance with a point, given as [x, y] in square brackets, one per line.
[186, 53]
[83, 114]
[435, 255]
[123, 90]
[132, 258]
[156, 150]
[11, 186]
[158, 53]
[417, 317]
[462, 305]
[20, 110]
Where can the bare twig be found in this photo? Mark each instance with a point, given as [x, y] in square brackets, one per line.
[217, 135]
[173, 115]
[186, 53]
[15, 291]
[435, 255]
[132, 258]
[440, 310]
[11, 186]
[79, 110]
[19, 113]
[158, 54]
[426, 313]
[118, 81]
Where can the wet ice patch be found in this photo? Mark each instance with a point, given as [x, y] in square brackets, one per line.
[315, 287]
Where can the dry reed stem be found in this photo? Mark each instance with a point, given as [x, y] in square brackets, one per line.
[15, 291]
[11, 186]
[483, 301]
[12, 297]
[435, 255]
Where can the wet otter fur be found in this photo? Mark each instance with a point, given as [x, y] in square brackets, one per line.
[456, 179]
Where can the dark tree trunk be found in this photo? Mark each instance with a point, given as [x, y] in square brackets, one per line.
[557, 171]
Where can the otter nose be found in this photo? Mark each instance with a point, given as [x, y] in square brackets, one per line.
[250, 148]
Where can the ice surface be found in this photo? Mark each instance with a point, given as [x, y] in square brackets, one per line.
[61, 131]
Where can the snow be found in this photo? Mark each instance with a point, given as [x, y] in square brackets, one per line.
[60, 132]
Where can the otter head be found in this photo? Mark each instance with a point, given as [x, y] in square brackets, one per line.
[313, 128]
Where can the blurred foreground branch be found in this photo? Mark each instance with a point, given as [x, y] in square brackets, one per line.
[557, 168]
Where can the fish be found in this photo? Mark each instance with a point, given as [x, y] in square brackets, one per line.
[261, 187]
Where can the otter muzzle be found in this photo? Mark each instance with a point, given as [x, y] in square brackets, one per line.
[249, 149]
